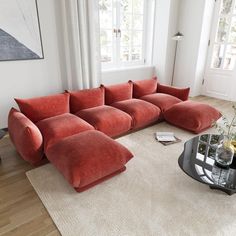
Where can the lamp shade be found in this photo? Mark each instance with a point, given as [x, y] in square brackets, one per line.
[178, 36]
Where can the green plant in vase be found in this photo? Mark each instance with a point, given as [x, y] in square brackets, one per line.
[227, 147]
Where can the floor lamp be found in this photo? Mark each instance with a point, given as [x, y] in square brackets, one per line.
[177, 37]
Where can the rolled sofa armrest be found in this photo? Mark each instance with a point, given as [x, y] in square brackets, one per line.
[26, 137]
[181, 93]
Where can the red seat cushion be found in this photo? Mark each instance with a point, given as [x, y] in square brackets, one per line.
[109, 120]
[88, 157]
[119, 92]
[40, 108]
[181, 93]
[143, 113]
[58, 127]
[163, 101]
[144, 87]
[192, 116]
[86, 98]
[26, 137]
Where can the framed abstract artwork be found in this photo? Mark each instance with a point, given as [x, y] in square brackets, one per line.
[20, 34]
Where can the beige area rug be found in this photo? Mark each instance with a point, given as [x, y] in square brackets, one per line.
[153, 197]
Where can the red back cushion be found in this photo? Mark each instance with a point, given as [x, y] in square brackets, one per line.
[144, 87]
[26, 137]
[181, 93]
[86, 98]
[119, 92]
[40, 108]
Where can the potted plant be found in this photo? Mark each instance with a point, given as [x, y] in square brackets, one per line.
[227, 147]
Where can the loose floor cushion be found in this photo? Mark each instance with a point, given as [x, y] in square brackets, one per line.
[109, 120]
[161, 100]
[143, 113]
[192, 116]
[88, 158]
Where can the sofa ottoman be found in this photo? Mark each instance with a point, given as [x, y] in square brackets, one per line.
[192, 116]
[88, 158]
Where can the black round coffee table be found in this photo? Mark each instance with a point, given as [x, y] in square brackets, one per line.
[198, 162]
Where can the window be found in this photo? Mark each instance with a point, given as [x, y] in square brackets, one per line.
[224, 49]
[122, 32]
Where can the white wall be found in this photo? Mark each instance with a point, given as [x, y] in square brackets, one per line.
[27, 32]
[123, 75]
[166, 25]
[31, 78]
[203, 46]
[194, 23]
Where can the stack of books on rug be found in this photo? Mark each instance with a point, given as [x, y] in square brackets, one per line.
[166, 138]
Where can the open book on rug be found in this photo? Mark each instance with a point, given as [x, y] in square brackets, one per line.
[166, 138]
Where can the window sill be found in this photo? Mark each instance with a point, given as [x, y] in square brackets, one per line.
[124, 68]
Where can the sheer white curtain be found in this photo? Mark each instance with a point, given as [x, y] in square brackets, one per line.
[84, 43]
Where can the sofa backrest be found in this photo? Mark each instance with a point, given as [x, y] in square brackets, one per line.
[87, 98]
[181, 93]
[118, 92]
[40, 108]
[144, 87]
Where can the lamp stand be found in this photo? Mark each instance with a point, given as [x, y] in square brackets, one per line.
[173, 73]
[177, 37]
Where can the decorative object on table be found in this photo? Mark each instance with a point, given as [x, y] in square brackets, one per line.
[166, 138]
[225, 150]
[177, 37]
[224, 153]
[20, 36]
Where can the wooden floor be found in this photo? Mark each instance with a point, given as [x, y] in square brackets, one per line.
[21, 211]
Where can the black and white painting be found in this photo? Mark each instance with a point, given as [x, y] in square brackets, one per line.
[20, 36]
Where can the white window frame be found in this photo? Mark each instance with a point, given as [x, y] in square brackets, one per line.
[116, 63]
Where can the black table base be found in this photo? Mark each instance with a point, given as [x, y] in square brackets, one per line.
[228, 191]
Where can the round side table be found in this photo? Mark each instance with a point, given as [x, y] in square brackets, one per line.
[2, 134]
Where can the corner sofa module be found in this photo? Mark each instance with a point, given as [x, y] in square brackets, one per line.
[164, 97]
[88, 158]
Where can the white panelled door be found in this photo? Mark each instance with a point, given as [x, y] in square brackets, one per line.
[220, 79]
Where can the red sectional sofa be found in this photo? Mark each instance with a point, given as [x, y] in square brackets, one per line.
[44, 122]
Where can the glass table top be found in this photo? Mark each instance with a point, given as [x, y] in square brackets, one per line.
[198, 161]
